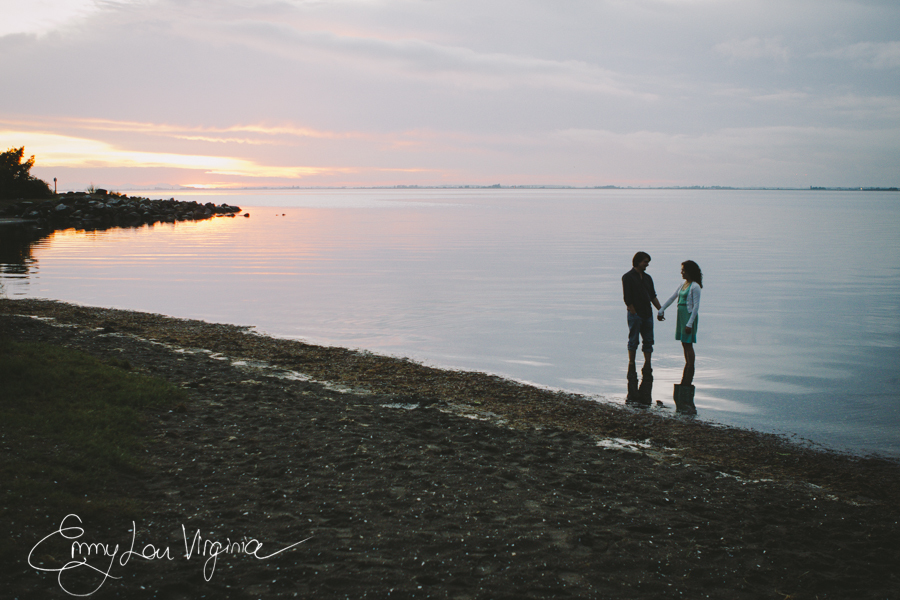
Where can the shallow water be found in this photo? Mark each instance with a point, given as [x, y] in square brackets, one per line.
[798, 333]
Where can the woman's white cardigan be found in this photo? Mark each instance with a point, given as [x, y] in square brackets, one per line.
[693, 302]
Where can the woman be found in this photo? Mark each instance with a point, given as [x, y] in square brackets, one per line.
[688, 296]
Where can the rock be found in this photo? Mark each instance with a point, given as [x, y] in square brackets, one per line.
[81, 210]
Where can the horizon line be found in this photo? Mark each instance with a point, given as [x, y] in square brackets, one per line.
[501, 186]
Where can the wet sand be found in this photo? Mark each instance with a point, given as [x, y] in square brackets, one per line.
[411, 481]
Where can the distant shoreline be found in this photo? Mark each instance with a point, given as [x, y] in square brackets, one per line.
[516, 187]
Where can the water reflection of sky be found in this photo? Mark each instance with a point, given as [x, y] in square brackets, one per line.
[797, 329]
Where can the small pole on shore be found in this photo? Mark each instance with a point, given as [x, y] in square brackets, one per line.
[54, 185]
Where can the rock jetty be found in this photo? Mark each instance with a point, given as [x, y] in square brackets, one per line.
[103, 210]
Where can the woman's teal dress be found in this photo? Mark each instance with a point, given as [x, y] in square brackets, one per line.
[683, 316]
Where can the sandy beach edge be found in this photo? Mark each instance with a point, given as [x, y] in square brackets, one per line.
[749, 453]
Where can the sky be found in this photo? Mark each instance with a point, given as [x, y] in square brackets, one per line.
[246, 93]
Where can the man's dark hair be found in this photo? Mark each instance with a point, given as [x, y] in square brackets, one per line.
[640, 256]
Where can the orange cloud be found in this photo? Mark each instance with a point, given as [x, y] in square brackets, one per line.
[66, 151]
[178, 131]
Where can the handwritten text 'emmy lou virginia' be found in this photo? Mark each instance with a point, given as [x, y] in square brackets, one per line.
[100, 551]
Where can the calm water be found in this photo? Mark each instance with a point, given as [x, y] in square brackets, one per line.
[799, 333]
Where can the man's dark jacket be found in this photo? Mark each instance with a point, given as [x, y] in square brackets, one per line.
[639, 291]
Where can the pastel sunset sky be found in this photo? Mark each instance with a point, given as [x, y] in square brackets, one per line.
[133, 93]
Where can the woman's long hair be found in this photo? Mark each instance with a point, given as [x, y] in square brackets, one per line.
[692, 270]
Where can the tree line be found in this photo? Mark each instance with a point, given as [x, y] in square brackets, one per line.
[16, 180]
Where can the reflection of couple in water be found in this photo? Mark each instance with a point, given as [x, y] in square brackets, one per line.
[640, 294]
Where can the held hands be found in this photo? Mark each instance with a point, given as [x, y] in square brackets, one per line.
[661, 316]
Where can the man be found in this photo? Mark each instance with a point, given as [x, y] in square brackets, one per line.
[639, 293]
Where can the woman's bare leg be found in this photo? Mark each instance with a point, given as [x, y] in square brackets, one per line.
[687, 377]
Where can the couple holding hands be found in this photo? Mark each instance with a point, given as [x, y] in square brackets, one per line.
[639, 293]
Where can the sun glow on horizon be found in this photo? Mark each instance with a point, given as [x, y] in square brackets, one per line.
[208, 186]
[222, 154]
[57, 150]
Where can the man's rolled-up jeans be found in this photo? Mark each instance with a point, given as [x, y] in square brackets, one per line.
[643, 327]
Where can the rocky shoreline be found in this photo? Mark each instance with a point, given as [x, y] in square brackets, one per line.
[101, 209]
[415, 482]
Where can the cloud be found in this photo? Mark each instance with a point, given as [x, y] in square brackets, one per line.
[426, 91]
[785, 155]
[41, 16]
[872, 55]
[782, 155]
[754, 48]
[868, 109]
[266, 133]
[418, 59]
[73, 152]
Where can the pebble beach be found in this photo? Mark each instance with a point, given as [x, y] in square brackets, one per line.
[398, 480]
